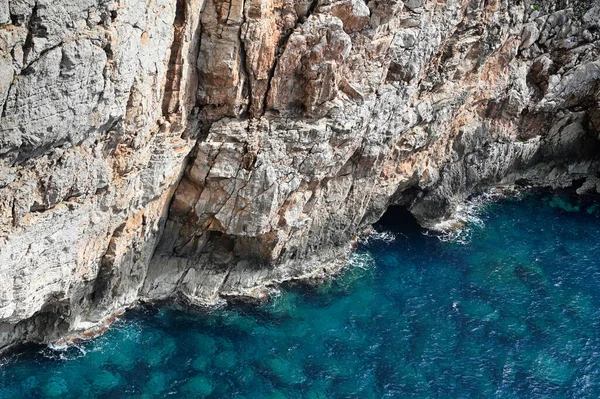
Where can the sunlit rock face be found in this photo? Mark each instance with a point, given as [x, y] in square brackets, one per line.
[95, 97]
[205, 149]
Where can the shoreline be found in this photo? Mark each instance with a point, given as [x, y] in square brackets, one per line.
[268, 289]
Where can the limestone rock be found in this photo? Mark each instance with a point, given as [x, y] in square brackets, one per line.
[220, 63]
[201, 150]
[307, 74]
[354, 14]
[89, 159]
[4, 12]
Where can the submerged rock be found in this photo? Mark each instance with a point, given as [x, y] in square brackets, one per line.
[285, 371]
[277, 395]
[56, 387]
[161, 351]
[125, 361]
[553, 370]
[479, 310]
[156, 384]
[512, 327]
[29, 385]
[201, 363]
[225, 360]
[105, 381]
[203, 344]
[199, 385]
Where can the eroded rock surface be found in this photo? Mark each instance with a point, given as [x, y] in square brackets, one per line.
[203, 149]
[94, 97]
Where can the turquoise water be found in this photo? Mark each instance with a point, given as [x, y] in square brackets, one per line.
[508, 310]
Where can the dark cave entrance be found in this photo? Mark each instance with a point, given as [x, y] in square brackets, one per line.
[398, 219]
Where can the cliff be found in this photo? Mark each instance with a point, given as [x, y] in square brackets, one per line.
[205, 149]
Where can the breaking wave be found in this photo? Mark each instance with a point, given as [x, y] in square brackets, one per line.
[381, 236]
[64, 352]
[360, 260]
[468, 216]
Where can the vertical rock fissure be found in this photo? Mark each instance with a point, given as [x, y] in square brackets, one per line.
[270, 78]
[28, 45]
[5, 104]
[171, 100]
[281, 45]
[224, 281]
[311, 9]
[245, 68]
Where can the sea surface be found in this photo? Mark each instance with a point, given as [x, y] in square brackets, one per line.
[508, 308]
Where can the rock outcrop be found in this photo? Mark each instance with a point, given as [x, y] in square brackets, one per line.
[205, 149]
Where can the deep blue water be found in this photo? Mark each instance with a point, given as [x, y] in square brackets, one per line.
[508, 310]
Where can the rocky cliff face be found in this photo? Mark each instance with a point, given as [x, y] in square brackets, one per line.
[204, 149]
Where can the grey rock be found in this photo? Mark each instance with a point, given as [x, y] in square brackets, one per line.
[413, 4]
[215, 149]
[591, 185]
[530, 35]
[4, 12]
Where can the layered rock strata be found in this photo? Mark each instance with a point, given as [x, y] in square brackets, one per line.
[205, 149]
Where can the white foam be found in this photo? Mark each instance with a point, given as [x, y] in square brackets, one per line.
[468, 215]
[362, 260]
[273, 291]
[64, 351]
[381, 236]
[58, 347]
